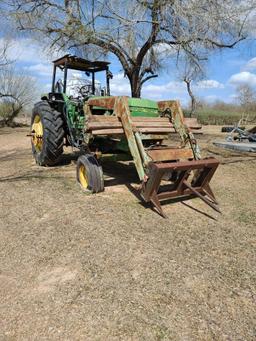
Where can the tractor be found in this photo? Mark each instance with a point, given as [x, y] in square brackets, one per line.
[82, 114]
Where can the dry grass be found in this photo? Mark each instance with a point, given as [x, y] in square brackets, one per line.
[104, 267]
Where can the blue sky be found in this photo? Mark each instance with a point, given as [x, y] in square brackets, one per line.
[225, 71]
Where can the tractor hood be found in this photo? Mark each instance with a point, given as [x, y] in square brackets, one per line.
[138, 106]
[143, 107]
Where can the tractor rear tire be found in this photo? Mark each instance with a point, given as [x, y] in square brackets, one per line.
[48, 134]
[89, 174]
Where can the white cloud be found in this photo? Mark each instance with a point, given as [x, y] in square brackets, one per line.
[209, 84]
[29, 51]
[251, 64]
[165, 49]
[211, 98]
[244, 77]
[77, 75]
[120, 85]
[233, 97]
[40, 69]
[172, 90]
[44, 70]
[47, 87]
[164, 91]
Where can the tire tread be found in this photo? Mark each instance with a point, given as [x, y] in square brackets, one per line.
[53, 139]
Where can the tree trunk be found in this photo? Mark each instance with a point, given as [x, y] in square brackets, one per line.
[136, 93]
[192, 97]
[134, 80]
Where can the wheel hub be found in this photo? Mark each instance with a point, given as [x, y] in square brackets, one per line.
[83, 177]
[37, 133]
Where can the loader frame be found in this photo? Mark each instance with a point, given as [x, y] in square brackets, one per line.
[188, 173]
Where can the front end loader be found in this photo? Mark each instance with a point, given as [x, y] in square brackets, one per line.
[129, 128]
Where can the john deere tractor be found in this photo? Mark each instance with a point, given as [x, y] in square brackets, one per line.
[81, 114]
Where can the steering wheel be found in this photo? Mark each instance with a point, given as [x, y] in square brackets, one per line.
[86, 90]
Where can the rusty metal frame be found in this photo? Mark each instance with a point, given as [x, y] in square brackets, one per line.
[158, 162]
[122, 110]
[181, 186]
[173, 110]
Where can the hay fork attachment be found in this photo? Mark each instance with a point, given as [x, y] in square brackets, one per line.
[165, 171]
[182, 181]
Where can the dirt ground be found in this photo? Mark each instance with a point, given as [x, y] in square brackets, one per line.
[105, 267]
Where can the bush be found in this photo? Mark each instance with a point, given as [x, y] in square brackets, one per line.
[219, 113]
[217, 117]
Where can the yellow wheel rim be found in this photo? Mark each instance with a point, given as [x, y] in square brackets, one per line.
[37, 133]
[83, 177]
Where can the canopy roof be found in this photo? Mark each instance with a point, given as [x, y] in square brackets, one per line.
[76, 63]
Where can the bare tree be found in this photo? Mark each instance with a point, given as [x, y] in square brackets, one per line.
[133, 30]
[4, 49]
[189, 72]
[188, 81]
[16, 92]
[247, 98]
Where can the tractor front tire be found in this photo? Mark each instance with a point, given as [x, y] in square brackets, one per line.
[89, 174]
[47, 134]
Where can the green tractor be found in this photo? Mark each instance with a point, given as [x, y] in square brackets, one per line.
[83, 115]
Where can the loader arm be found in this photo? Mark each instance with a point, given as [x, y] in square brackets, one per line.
[172, 110]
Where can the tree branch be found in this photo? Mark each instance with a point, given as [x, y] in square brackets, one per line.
[147, 78]
[153, 34]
